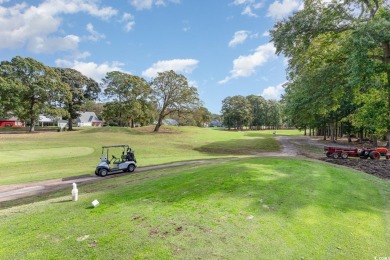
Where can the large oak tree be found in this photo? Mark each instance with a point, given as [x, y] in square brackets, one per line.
[130, 97]
[173, 95]
[39, 91]
[82, 89]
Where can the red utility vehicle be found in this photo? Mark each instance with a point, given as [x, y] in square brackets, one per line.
[364, 153]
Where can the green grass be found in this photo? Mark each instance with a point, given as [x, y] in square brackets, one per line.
[248, 208]
[50, 155]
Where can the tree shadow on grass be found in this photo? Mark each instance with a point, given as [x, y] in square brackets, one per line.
[111, 130]
[240, 146]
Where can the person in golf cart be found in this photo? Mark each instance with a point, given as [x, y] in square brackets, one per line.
[129, 156]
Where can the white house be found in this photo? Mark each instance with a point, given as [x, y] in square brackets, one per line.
[45, 121]
[50, 121]
[88, 119]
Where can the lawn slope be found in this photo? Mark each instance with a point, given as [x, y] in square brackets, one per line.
[248, 208]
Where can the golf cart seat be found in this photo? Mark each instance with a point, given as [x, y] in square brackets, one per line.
[124, 156]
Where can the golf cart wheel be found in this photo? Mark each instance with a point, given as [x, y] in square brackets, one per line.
[335, 155]
[103, 172]
[131, 168]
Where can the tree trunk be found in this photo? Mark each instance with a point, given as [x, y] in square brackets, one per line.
[374, 141]
[332, 132]
[70, 124]
[159, 123]
[32, 125]
[361, 136]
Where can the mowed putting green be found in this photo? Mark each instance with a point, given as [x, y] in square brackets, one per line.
[259, 208]
[43, 154]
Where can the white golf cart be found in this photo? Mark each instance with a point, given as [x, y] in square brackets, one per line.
[125, 162]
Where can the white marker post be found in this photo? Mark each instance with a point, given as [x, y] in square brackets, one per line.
[75, 192]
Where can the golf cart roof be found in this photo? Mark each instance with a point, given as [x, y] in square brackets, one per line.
[116, 146]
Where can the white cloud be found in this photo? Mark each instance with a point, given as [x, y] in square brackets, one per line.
[53, 44]
[94, 35]
[241, 2]
[142, 4]
[91, 69]
[273, 92]
[245, 66]
[82, 55]
[147, 4]
[24, 25]
[177, 65]
[248, 11]
[279, 10]
[129, 22]
[238, 38]
[249, 5]
[54, 7]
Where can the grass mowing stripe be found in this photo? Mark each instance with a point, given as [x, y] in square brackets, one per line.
[43, 154]
[248, 208]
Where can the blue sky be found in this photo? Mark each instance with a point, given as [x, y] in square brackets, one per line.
[221, 46]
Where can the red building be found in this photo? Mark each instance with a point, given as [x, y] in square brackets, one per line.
[11, 122]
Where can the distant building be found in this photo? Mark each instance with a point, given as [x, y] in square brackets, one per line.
[170, 122]
[47, 121]
[11, 122]
[62, 123]
[215, 123]
[88, 119]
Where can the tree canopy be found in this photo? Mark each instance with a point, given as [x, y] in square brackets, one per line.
[339, 64]
[129, 97]
[38, 89]
[173, 95]
[82, 89]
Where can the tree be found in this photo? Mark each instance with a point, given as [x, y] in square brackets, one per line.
[259, 111]
[42, 90]
[201, 116]
[274, 114]
[130, 94]
[172, 95]
[90, 105]
[82, 89]
[357, 30]
[236, 112]
[9, 98]
[111, 113]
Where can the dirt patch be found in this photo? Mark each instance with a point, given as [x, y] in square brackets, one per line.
[313, 148]
[379, 168]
